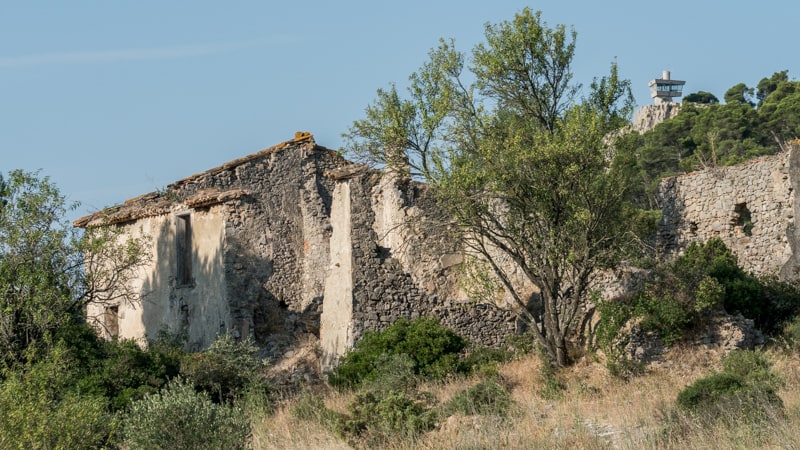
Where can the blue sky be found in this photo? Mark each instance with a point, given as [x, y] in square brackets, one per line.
[114, 99]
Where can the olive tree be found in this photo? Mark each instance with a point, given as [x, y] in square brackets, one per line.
[517, 159]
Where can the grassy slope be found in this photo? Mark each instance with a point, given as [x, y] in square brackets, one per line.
[596, 411]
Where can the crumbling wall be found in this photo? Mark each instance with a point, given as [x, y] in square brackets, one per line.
[399, 270]
[277, 236]
[750, 206]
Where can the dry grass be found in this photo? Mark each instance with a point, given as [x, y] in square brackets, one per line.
[596, 411]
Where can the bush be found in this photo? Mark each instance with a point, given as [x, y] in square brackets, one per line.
[487, 397]
[126, 372]
[706, 391]
[41, 409]
[432, 347]
[226, 369]
[311, 407]
[180, 418]
[677, 297]
[791, 334]
[386, 415]
[744, 390]
[484, 357]
[753, 367]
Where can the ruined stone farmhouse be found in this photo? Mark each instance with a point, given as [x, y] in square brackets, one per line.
[292, 239]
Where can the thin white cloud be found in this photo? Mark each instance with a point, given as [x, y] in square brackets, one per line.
[138, 54]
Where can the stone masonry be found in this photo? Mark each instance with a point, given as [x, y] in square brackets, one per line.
[750, 206]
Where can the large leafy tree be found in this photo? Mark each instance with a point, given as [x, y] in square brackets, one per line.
[49, 271]
[518, 160]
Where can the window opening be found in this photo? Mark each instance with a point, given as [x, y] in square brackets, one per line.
[111, 320]
[743, 218]
[183, 240]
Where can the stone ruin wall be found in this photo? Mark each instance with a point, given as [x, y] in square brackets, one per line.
[750, 206]
[417, 274]
[398, 266]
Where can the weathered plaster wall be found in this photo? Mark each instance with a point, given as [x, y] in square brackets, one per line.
[337, 314]
[200, 310]
[717, 202]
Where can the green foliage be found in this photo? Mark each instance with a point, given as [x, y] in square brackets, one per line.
[432, 348]
[378, 416]
[37, 250]
[739, 93]
[311, 407]
[180, 418]
[519, 165]
[488, 397]
[486, 357]
[791, 334]
[521, 344]
[709, 389]
[42, 408]
[752, 367]
[744, 390]
[45, 276]
[126, 372]
[701, 97]
[608, 336]
[226, 369]
[552, 387]
[677, 297]
[707, 277]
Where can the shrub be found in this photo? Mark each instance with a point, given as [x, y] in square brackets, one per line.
[552, 387]
[791, 333]
[41, 409]
[127, 372]
[432, 347]
[226, 369]
[180, 418]
[744, 390]
[311, 407]
[751, 366]
[487, 397]
[392, 373]
[677, 297]
[484, 357]
[386, 415]
[707, 390]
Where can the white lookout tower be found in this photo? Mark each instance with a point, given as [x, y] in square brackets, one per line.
[664, 89]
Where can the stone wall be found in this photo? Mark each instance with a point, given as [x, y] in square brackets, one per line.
[750, 206]
[404, 266]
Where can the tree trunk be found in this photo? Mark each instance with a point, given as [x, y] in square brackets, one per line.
[562, 357]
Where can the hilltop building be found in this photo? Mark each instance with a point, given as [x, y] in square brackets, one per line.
[663, 90]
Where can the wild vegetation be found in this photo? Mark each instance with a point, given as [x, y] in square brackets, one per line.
[517, 160]
[523, 164]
